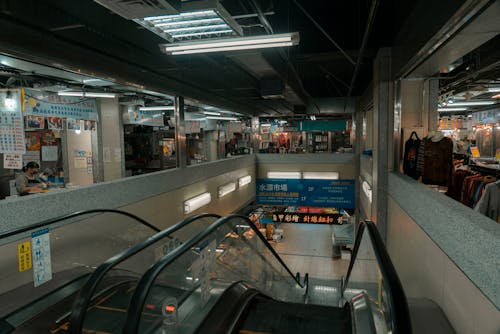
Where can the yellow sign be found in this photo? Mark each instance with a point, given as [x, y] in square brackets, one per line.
[474, 152]
[24, 256]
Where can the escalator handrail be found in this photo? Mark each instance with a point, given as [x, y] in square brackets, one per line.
[400, 314]
[357, 243]
[146, 282]
[86, 293]
[51, 221]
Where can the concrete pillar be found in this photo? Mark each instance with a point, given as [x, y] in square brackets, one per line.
[383, 124]
[180, 133]
[110, 134]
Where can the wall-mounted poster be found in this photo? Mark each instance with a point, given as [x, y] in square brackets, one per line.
[55, 123]
[33, 140]
[89, 125]
[48, 138]
[35, 122]
[73, 124]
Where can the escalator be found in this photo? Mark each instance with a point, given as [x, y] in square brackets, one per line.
[97, 257]
[236, 283]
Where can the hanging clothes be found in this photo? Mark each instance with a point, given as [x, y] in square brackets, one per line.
[489, 204]
[411, 155]
[437, 160]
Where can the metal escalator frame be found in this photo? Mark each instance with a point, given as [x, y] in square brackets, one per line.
[400, 320]
[87, 291]
[51, 221]
[146, 282]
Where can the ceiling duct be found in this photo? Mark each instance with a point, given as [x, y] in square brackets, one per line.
[272, 88]
[135, 9]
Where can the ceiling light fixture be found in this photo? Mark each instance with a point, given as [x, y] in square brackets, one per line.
[244, 180]
[156, 108]
[493, 89]
[226, 189]
[284, 175]
[452, 109]
[473, 103]
[222, 118]
[212, 113]
[229, 44]
[87, 94]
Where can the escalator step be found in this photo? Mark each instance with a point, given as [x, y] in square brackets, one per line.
[270, 316]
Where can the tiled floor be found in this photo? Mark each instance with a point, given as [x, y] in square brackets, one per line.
[308, 249]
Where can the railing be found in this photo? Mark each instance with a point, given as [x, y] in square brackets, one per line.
[90, 288]
[378, 278]
[229, 250]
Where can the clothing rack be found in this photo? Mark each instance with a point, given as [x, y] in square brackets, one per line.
[485, 170]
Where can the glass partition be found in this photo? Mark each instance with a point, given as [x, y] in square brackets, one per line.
[42, 258]
[182, 287]
[107, 292]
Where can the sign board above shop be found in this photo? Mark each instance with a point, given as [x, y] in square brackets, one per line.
[143, 117]
[39, 103]
[300, 192]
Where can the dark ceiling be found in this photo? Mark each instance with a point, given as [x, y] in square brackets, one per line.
[83, 34]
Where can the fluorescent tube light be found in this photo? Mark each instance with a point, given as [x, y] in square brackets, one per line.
[197, 202]
[215, 26]
[187, 22]
[212, 113]
[157, 108]
[244, 180]
[226, 189]
[494, 89]
[473, 103]
[201, 33]
[284, 175]
[321, 175]
[452, 109]
[224, 44]
[86, 94]
[223, 118]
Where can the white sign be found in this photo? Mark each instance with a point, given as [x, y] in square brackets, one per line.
[12, 161]
[49, 153]
[11, 122]
[31, 156]
[40, 253]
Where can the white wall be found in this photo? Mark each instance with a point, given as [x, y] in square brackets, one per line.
[426, 271]
[111, 139]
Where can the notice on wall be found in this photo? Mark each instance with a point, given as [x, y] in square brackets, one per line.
[40, 253]
[24, 256]
[118, 154]
[11, 122]
[13, 161]
[31, 156]
[106, 152]
[80, 162]
[192, 126]
[49, 153]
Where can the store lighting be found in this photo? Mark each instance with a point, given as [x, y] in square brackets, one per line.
[473, 103]
[284, 175]
[226, 189]
[223, 118]
[452, 109]
[212, 113]
[244, 180]
[87, 94]
[156, 108]
[494, 89]
[214, 26]
[229, 44]
[197, 202]
[321, 175]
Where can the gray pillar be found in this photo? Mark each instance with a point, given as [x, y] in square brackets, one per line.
[383, 142]
[431, 96]
[180, 133]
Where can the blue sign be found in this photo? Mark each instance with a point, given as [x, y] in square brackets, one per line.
[42, 104]
[278, 191]
[328, 193]
[317, 193]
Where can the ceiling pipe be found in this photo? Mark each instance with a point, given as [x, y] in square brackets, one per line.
[303, 94]
[324, 32]
[366, 35]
